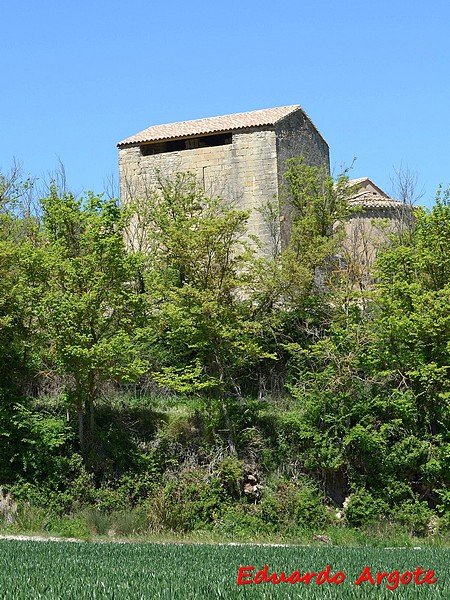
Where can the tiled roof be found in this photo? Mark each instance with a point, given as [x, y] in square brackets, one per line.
[368, 199]
[256, 118]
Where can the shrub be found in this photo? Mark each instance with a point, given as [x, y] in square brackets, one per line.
[311, 511]
[294, 506]
[230, 475]
[363, 509]
[414, 515]
[243, 519]
[194, 500]
[69, 526]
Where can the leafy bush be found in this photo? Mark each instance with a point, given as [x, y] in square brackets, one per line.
[193, 500]
[230, 475]
[68, 526]
[363, 509]
[311, 511]
[414, 515]
[242, 519]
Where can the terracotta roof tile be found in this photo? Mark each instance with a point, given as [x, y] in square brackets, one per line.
[256, 118]
[368, 199]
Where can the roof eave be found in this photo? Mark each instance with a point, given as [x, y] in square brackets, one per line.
[143, 136]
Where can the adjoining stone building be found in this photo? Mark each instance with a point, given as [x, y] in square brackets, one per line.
[240, 157]
[376, 217]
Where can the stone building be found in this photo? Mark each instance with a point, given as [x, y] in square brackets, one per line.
[376, 216]
[240, 157]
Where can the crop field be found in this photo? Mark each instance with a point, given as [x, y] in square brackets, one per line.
[50, 570]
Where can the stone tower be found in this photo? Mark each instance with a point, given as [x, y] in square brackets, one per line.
[240, 157]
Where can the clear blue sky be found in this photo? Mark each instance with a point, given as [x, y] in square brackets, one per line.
[78, 77]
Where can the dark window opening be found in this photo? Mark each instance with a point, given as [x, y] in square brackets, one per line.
[204, 141]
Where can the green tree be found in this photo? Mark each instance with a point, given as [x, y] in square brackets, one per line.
[373, 389]
[204, 336]
[18, 239]
[295, 289]
[89, 311]
[313, 206]
[414, 320]
[19, 282]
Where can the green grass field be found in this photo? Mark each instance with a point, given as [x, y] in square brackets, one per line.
[50, 570]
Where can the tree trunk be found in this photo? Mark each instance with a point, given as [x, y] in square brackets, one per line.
[90, 404]
[80, 424]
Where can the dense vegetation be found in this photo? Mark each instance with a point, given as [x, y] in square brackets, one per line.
[157, 374]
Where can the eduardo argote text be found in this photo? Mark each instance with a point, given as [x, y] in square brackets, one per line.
[391, 579]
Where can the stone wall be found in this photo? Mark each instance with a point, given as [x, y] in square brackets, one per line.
[366, 231]
[297, 136]
[243, 172]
